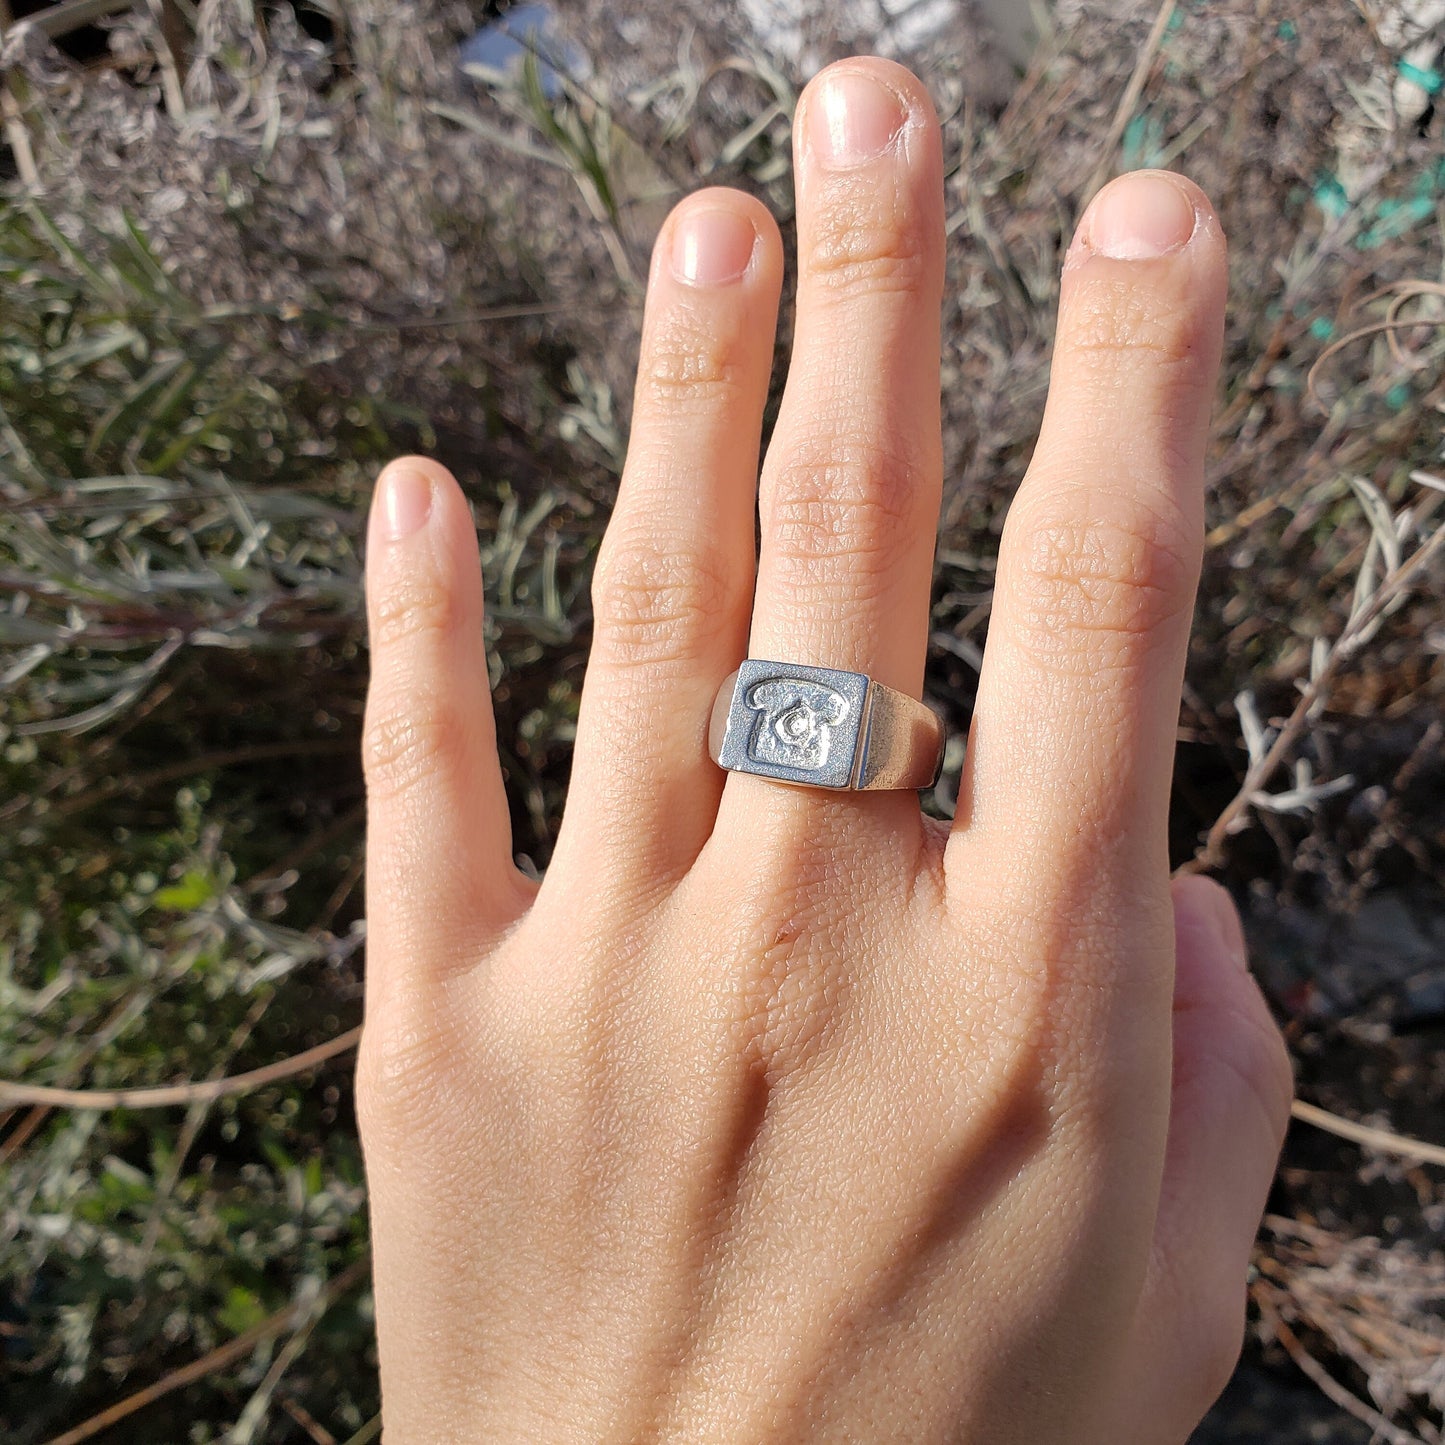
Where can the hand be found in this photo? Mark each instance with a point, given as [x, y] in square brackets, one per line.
[777, 1114]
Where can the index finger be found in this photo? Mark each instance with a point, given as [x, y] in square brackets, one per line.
[1079, 694]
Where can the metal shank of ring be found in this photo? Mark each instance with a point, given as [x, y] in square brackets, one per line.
[821, 727]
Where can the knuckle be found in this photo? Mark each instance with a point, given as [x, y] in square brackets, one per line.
[417, 607]
[688, 363]
[866, 249]
[403, 745]
[401, 1070]
[653, 601]
[1112, 582]
[844, 512]
[1111, 321]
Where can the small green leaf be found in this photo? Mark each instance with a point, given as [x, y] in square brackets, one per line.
[241, 1311]
[195, 889]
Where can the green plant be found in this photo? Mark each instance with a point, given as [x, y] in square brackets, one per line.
[212, 331]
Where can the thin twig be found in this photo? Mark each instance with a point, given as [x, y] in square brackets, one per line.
[307, 1421]
[113, 1024]
[468, 318]
[368, 1432]
[340, 894]
[60, 20]
[1130, 97]
[17, 136]
[337, 828]
[176, 1094]
[23, 1132]
[1327, 1383]
[253, 1415]
[89, 762]
[1388, 327]
[1382, 1139]
[1258, 774]
[203, 762]
[195, 1119]
[218, 1358]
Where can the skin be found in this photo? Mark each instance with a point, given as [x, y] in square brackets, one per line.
[782, 1115]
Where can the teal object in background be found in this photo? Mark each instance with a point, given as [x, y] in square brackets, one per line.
[1430, 81]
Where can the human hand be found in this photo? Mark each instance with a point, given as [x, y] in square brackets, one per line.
[778, 1114]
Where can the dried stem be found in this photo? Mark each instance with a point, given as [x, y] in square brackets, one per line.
[1382, 1139]
[308, 1422]
[1130, 97]
[185, 1141]
[1326, 1382]
[177, 1094]
[368, 1432]
[1260, 773]
[284, 1319]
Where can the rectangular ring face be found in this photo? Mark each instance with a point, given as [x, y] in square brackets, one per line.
[796, 724]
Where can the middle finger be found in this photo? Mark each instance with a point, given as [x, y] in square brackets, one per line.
[850, 489]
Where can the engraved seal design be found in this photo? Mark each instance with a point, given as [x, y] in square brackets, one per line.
[795, 722]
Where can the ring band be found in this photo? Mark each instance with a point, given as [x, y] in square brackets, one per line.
[819, 727]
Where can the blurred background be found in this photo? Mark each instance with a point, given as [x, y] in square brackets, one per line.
[251, 248]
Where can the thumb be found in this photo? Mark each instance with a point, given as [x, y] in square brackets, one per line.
[1228, 1111]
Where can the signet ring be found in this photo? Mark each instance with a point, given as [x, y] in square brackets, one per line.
[819, 727]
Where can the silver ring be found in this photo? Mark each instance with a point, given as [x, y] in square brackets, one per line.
[818, 727]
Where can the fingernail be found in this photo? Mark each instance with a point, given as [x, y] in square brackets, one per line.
[853, 118]
[1138, 217]
[1223, 923]
[710, 248]
[405, 502]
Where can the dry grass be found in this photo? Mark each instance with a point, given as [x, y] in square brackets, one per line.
[230, 300]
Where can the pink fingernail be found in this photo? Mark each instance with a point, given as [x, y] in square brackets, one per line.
[405, 501]
[853, 118]
[711, 248]
[1138, 217]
